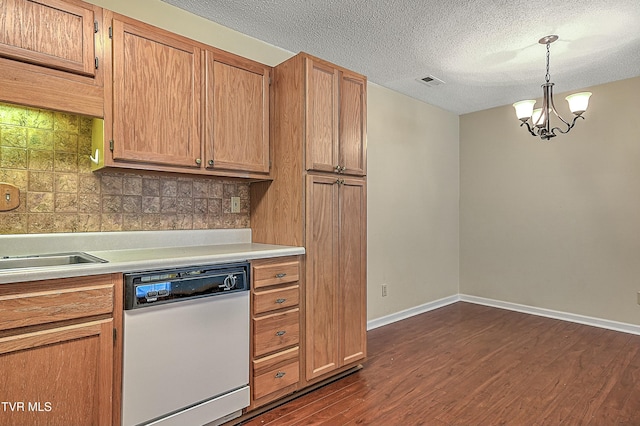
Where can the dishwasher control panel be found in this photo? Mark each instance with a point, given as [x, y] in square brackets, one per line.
[149, 288]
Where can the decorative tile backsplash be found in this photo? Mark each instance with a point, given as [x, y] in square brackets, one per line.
[46, 155]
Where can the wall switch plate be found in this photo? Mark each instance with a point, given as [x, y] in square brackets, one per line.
[384, 290]
[235, 204]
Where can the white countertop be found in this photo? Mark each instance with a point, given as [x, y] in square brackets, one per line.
[141, 251]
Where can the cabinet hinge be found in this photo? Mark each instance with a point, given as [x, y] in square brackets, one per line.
[95, 26]
[270, 81]
[111, 145]
[110, 32]
[115, 335]
[270, 164]
[96, 62]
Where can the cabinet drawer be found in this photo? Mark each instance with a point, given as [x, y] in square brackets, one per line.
[277, 273]
[269, 300]
[276, 331]
[47, 305]
[275, 372]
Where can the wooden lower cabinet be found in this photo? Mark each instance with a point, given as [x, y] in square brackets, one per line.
[275, 325]
[57, 351]
[335, 274]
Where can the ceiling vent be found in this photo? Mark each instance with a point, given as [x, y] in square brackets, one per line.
[431, 81]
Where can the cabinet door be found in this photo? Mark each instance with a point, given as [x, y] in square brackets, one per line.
[62, 376]
[353, 123]
[156, 96]
[52, 33]
[236, 114]
[352, 270]
[321, 117]
[322, 309]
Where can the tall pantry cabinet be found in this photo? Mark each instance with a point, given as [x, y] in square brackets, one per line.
[317, 199]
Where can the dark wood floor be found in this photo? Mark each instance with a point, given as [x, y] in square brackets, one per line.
[467, 364]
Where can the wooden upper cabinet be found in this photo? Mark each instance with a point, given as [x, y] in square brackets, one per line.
[335, 119]
[156, 96]
[236, 114]
[321, 118]
[353, 124]
[51, 33]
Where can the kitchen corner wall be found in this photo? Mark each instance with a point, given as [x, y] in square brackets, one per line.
[555, 224]
[412, 199]
[46, 155]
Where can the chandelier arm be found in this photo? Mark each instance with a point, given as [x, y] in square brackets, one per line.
[528, 128]
[570, 126]
[553, 108]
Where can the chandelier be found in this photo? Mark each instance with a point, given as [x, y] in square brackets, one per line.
[538, 121]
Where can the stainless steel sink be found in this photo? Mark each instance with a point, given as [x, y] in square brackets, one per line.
[44, 260]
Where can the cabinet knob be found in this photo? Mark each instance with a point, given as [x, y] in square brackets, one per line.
[340, 181]
[342, 169]
[280, 374]
[198, 161]
[210, 163]
[281, 333]
[280, 301]
[338, 168]
[281, 275]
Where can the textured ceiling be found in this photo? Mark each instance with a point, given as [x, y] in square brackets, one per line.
[486, 51]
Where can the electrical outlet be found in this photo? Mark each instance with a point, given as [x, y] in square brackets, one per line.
[235, 204]
[384, 290]
[639, 298]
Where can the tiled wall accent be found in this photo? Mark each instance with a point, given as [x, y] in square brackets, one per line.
[46, 155]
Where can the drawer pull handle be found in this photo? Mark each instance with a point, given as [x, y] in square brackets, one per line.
[280, 333]
[278, 301]
[280, 374]
[281, 275]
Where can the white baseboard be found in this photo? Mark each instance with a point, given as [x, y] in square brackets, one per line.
[549, 313]
[565, 316]
[407, 313]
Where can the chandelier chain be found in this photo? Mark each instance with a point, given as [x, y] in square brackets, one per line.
[547, 76]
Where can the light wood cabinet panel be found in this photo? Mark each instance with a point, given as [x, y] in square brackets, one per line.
[156, 96]
[48, 55]
[336, 273]
[321, 115]
[278, 298]
[322, 304]
[51, 33]
[353, 124]
[40, 307]
[313, 204]
[63, 375]
[335, 119]
[58, 351]
[275, 329]
[236, 114]
[352, 270]
[276, 372]
[281, 272]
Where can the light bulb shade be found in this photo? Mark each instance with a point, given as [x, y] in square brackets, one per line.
[537, 116]
[524, 109]
[578, 102]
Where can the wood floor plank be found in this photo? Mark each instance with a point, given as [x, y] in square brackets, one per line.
[468, 364]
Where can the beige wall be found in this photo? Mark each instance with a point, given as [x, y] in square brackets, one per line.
[555, 224]
[413, 193]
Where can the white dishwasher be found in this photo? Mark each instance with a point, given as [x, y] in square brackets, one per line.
[186, 345]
